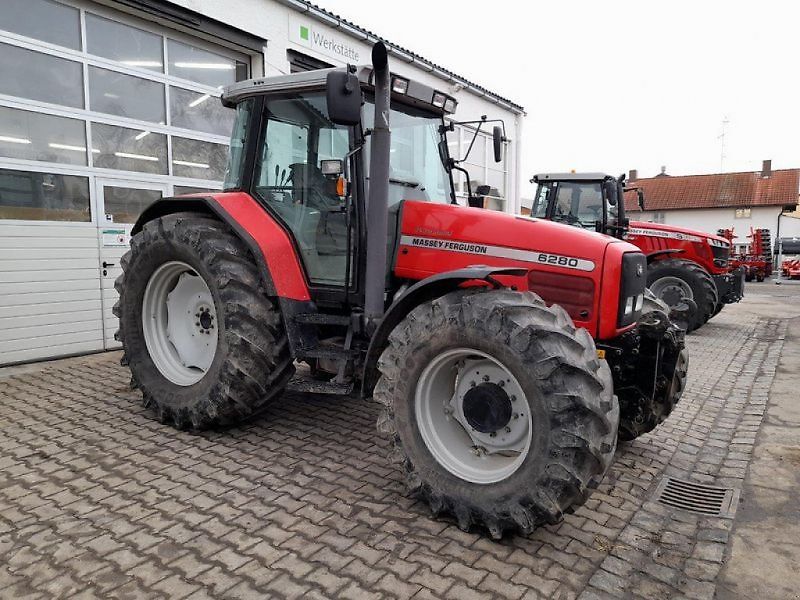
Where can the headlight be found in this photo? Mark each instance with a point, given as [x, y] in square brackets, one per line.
[632, 285]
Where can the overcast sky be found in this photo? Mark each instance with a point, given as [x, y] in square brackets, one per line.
[616, 85]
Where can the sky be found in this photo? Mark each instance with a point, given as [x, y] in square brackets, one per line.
[617, 85]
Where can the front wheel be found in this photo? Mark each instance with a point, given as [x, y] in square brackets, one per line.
[498, 409]
[685, 285]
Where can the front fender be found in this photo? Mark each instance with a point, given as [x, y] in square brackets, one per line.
[662, 253]
[427, 289]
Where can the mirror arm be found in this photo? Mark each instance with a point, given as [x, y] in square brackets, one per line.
[453, 165]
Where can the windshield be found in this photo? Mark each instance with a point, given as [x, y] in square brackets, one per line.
[573, 202]
[416, 171]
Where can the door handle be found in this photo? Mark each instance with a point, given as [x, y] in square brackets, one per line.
[107, 264]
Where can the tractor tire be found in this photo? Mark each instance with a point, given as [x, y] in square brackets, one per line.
[245, 363]
[562, 397]
[631, 426]
[676, 281]
[718, 309]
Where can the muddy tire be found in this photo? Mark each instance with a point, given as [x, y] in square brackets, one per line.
[677, 281]
[234, 354]
[564, 397]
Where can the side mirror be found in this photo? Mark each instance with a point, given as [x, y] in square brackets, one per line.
[344, 98]
[498, 139]
[640, 198]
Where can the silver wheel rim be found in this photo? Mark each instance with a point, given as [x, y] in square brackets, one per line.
[179, 322]
[672, 290]
[444, 418]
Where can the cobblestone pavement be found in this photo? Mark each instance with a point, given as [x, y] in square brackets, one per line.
[98, 500]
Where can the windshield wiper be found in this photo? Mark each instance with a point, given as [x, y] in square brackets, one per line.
[405, 182]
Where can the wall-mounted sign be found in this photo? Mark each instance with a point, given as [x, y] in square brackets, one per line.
[115, 237]
[302, 32]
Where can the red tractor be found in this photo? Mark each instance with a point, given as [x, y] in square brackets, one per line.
[507, 355]
[688, 270]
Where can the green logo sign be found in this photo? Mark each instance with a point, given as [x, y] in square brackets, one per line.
[304, 33]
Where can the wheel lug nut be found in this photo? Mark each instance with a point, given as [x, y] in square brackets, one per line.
[508, 429]
[516, 415]
[471, 384]
[501, 383]
[513, 398]
[493, 434]
[198, 323]
[486, 378]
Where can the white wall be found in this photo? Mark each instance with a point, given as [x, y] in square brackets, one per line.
[276, 23]
[712, 219]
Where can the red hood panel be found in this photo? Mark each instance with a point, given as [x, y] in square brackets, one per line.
[673, 229]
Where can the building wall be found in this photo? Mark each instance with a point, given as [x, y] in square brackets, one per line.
[712, 219]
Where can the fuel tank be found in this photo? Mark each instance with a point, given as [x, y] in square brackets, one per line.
[577, 269]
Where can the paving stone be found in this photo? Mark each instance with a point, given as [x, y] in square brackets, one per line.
[97, 496]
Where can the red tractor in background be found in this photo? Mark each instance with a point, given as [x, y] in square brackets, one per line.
[688, 270]
[507, 355]
[757, 261]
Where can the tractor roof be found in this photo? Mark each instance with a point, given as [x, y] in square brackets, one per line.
[415, 93]
[585, 177]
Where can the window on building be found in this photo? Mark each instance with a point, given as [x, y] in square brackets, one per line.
[198, 160]
[126, 96]
[128, 45]
[38, 76]
[34, 196]
[658, 217]
[299, 62]
[199, 111]
[742, 213]
[35, 136]
[125, 204]
[129, 149]
[189, 189]
[201, 66]
[43, 20]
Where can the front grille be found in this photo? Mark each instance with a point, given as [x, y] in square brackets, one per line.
[574, 293]
[721, 253]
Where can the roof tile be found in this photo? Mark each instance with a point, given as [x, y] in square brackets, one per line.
[720, 190]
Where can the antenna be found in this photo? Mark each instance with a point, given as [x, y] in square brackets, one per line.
[721, 138]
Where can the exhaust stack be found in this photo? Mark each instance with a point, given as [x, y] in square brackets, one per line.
[378, 206]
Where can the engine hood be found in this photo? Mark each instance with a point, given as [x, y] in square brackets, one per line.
[685, 232]
[492, 236]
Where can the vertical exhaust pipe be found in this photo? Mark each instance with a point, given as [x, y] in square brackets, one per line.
[378, 206]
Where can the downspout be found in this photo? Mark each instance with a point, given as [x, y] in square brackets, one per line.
[517, 142]
[378, 206]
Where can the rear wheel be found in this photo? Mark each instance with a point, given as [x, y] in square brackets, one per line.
[684, 284]
[204, 343]
[497, 408]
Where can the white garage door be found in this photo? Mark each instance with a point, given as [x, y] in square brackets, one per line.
[49, 291]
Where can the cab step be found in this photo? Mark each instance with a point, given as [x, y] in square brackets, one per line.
[322, 319]
[306, 385]
[326, 352]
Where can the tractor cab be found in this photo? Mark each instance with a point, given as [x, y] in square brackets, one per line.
[588, 200]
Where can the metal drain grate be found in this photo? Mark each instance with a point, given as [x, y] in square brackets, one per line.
[698, 498]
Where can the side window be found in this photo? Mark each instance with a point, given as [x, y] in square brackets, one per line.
[540, 202]
[298, 137]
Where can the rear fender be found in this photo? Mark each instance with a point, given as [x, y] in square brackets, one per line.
[427, 289]
[269, 243]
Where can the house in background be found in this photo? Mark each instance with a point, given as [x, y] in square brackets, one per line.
[762, 199]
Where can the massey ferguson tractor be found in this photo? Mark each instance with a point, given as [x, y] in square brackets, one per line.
[507, 355]
[688, 270]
